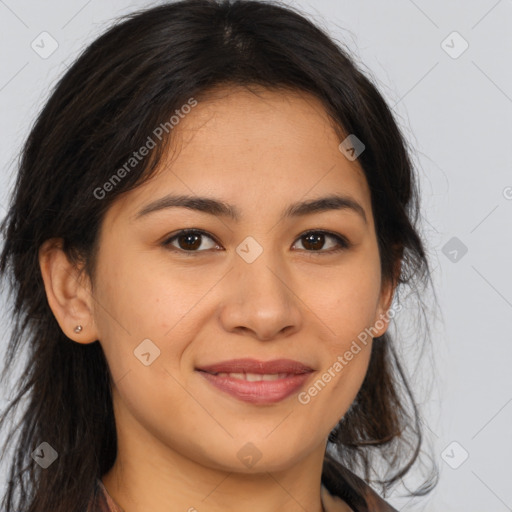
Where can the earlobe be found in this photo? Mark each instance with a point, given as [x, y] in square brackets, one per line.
[68, 293]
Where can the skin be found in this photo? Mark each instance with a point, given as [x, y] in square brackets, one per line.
[178, 436]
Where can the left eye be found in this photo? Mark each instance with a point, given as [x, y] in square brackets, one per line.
[189, 240]
[316, 238]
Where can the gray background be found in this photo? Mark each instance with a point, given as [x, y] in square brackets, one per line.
[456, 111]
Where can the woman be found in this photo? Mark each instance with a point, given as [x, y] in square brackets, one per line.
[213, 214]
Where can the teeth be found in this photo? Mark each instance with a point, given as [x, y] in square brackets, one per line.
[253, 377]
[236, 375]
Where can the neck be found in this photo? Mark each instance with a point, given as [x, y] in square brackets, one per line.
[141, 488]
[149, 475]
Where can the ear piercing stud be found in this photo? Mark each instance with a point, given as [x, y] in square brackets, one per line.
[78, 328]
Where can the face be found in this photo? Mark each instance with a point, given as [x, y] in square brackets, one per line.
[263, 285]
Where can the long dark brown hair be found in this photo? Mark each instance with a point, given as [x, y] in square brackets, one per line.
[125, 84]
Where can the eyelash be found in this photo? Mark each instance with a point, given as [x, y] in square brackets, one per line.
[343, 243]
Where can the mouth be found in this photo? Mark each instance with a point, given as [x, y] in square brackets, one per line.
[250, 366]
[257, 382]
[253, 377]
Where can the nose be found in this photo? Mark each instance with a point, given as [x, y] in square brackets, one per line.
[261, 300]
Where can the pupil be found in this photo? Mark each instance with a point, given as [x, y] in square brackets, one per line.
[315, 239]
[190, 239]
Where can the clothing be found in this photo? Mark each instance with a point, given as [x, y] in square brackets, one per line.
[101, 501]
[343, 483]
[336, 489]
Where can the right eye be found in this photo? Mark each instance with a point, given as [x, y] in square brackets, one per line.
[188, 240]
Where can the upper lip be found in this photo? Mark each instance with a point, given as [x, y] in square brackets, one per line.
[248, 365]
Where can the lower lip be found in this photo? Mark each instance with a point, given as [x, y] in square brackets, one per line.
[260, 392]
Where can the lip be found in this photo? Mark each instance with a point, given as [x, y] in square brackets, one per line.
[259, 392]
[249, 365]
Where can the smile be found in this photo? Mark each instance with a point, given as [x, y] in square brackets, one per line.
[257, 388]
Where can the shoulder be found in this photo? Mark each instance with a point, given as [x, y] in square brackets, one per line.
[339, 482]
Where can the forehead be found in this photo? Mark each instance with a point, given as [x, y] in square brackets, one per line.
[252, 148]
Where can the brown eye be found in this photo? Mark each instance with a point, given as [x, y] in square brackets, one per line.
[314, 241]
[189, 241]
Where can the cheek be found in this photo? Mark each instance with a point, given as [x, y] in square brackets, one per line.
[348, 308]
[331, 394]
[137, 302]
[348, 304]
[133, 296]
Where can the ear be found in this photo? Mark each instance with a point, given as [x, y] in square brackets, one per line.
[388, 287]
[68, 292]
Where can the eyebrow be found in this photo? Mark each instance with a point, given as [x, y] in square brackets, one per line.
[222, 209]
